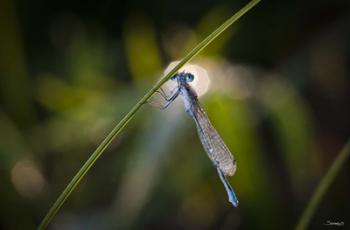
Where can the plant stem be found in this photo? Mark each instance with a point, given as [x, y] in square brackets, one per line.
[119, 127]
[323, 187]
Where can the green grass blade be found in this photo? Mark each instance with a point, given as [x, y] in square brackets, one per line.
[323, 187]
[119, 127]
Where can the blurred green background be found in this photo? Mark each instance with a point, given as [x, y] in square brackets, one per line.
[280, 96]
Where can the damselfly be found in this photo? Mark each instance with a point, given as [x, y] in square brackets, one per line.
[214, 146]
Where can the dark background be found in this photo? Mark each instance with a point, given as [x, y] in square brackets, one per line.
[70, 70]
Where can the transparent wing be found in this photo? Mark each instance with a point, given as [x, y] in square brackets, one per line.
[215, 147]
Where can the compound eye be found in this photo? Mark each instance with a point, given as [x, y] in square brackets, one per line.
[189, 77]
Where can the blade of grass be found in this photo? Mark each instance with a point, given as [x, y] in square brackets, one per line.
[323, 187]
[116, 130]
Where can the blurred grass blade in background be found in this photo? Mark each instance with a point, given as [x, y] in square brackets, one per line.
[140, 37]
[17, 99]
[116, 130]
[323, 187]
